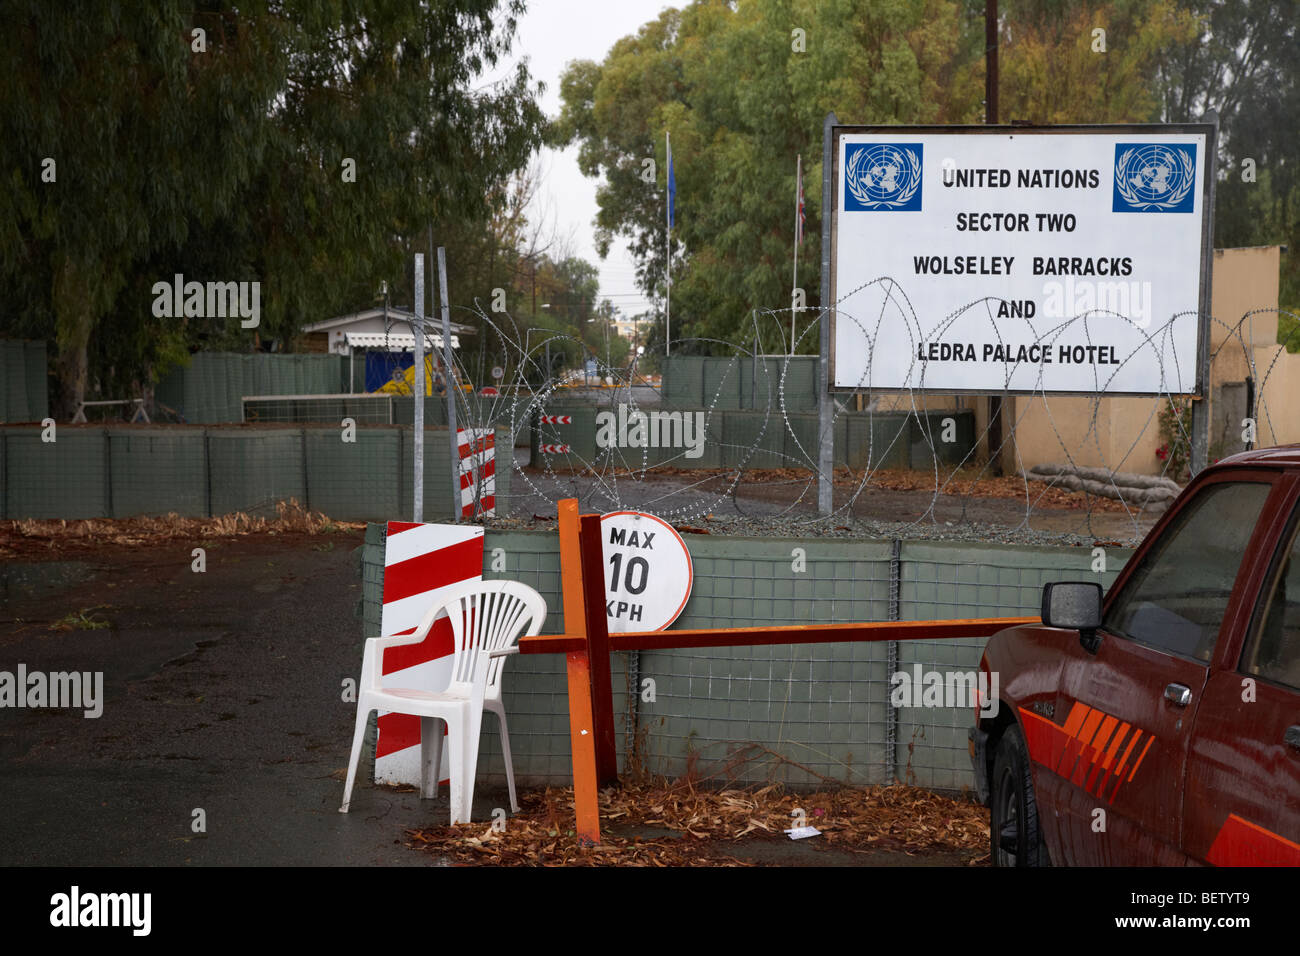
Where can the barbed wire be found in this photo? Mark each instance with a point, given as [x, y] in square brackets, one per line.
[531, 399]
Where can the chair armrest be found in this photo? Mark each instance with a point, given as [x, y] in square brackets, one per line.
[505, 651]
[372, 655]
[394, 640]
[415, 637]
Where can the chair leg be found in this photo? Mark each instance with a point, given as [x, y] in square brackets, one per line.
[358, 736]
[430, 731]
[456, 753]
[435, 762]
[505, 753]
[474, 725]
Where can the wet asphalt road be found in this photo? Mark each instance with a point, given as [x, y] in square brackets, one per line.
[222, 693]
[198, 713]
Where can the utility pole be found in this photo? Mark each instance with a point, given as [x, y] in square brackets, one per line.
[991, 119]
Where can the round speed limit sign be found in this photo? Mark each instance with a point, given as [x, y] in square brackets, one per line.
[648, 572]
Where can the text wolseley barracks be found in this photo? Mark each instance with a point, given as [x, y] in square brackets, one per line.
[1019, 261]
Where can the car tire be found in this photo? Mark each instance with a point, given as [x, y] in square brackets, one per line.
[1015, 838]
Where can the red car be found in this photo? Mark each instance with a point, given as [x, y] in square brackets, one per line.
[1161, 725]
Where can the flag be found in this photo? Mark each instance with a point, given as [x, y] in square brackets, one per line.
[798, 232]
[672, 182]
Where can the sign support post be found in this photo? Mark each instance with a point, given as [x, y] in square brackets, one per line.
[1200, 438]
[578, 664]
[597, 627]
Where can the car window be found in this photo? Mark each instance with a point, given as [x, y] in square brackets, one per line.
[1177, 597]
[1274, 650]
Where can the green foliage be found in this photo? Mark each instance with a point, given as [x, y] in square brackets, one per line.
[1175, 423]
[1245, 64]
[227, 164]
[741, 103]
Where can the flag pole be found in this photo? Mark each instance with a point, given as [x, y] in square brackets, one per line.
[668, 249]
[798, 212]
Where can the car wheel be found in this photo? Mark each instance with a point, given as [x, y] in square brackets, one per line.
[1014, 835]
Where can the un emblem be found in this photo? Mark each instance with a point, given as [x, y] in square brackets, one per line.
[1154, 178]
[882, 176]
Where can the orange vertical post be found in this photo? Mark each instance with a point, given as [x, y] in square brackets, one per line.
[597, 626]
[582, 728]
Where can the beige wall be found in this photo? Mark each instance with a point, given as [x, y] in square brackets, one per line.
[1123, 433]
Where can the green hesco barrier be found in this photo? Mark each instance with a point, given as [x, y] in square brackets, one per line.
[122, 471]
[13, 372]
[354, 480]
[209, 389]
[696, 381]
[156, 472]
[38, 401]
[683, 381]
[23, 387]
[65, 478]
[802, 714]
[752, 439]
[251, 472]
[721, 384]
[802, 441]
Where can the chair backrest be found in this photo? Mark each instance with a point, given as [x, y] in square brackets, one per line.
[489, 615]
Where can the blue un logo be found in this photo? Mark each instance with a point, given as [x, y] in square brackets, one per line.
[882, 176]
[1154, 178]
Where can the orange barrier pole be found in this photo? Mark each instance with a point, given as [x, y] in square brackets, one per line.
[582, 736]
[597, 626]
[957, 629]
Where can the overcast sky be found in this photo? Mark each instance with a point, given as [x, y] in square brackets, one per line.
[550, 34]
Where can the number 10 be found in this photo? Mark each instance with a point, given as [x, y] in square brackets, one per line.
[633, 563]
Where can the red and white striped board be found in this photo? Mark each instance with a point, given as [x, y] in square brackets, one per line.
[555, 449]
[421, 562]
[478, 470]
[557, 419]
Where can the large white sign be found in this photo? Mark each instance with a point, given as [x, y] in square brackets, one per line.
[1057, 260]
[648, 572]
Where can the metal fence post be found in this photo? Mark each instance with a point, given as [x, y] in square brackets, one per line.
[449, 385]
[825, 408]
[417, 388]
[891, 660]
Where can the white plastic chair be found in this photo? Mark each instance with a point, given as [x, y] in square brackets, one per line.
[486, 619]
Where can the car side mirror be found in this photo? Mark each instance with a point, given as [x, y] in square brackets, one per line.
[1075, 605]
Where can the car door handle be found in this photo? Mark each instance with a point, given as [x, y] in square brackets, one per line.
[1292, 736]
[1180, 695]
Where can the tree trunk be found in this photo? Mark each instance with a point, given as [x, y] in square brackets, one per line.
[73, 321]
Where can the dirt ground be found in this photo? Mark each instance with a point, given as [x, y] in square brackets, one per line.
[221, 695]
